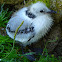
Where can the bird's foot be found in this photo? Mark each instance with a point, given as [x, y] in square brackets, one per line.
[37, 52]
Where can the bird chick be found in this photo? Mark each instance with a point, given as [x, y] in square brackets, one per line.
[37, 22]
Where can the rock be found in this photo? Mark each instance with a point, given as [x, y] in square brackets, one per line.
[58, 49]
[55, 34]
[56, 30]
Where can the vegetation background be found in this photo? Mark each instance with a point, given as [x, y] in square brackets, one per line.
[52, 51]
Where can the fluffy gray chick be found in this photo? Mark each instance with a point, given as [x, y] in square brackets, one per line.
[37, 22]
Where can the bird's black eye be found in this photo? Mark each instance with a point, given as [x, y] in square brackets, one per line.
[42, 11]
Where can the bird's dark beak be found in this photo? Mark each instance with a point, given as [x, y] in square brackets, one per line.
[51, 11]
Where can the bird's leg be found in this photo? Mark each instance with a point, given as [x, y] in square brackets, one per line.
[22, 49]
[30, 57]
[36, 50]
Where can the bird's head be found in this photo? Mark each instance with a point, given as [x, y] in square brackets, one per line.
[39, 8]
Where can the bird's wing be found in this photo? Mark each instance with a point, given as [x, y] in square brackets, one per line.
[25, 32]
[16, 21]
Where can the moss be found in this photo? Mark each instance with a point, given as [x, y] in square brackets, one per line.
[57, 6]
